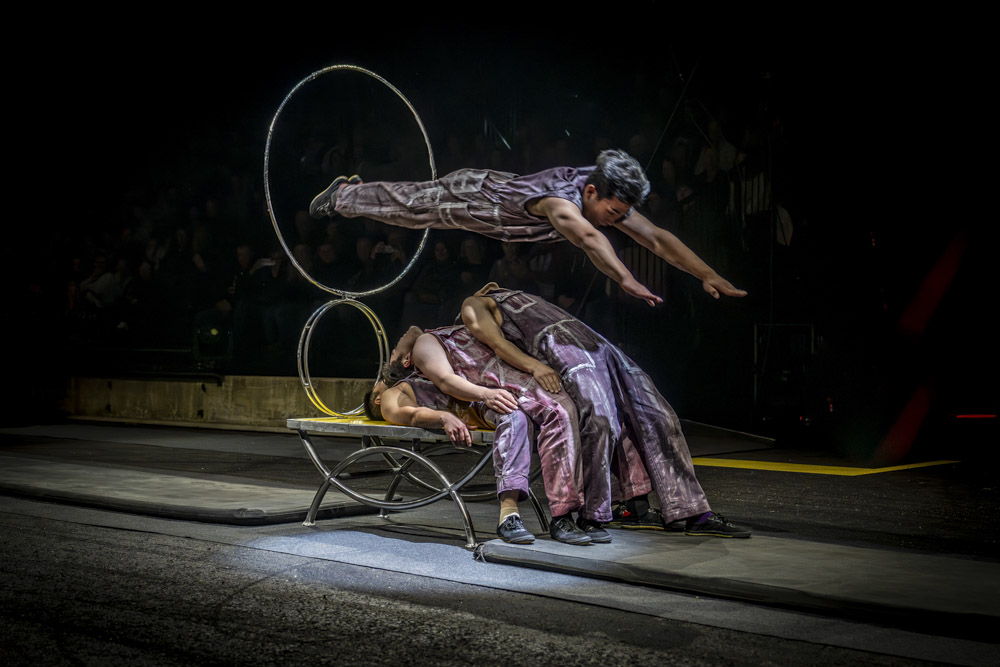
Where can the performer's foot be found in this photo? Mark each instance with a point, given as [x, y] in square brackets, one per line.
[593, 529]
[564, 530]
[323, 204]
[651, 519]
[513, 530]
[715, 525]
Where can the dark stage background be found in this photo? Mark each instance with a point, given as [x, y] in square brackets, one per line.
[801, 163]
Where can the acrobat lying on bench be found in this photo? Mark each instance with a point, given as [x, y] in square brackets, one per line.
[454, 367]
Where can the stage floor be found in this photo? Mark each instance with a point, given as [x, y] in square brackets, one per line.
[910, 546]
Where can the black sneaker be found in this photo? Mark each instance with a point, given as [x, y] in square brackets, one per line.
[594, 530]
[512, 530]
[716, 525]
[650, 520]
[678, 526]
[564, 530]
[323, 203]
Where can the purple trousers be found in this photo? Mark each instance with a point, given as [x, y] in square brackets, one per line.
[486, 202]
[512, 438]
[624, 421]
[552, 422]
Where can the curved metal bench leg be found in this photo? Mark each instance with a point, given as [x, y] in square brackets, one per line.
[323, 470]
[539, 512]
[317, 499]
[470, 531]
[399, 471]
[447, 488]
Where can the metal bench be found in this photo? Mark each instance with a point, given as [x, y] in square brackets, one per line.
[400, 461]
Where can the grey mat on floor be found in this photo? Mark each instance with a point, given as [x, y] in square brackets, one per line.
[214, 499]
[848, 581]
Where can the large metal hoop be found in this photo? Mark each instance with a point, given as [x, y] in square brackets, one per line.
[306, 339]
[267, 181]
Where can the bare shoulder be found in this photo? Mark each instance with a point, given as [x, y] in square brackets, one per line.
[425, 343]
[546, 206]
[478, 311]
[396, 400]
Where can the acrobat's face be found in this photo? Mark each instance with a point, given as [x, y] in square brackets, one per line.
[603, 212]
[404, 347]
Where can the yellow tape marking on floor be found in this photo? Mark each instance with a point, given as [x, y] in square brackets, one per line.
[806, 468]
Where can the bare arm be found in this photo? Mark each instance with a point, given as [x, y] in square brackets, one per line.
[432, 360]
[478, 317]
[669, 247]
[399, 407]
[567, 220]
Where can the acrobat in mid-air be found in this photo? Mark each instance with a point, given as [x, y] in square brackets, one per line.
[564, 202]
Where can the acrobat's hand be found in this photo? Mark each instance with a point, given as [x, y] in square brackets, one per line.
[717, 285]
[456, 429]
[500, 400]
[548, 378]
[638, 290]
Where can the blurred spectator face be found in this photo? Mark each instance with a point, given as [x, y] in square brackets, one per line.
[244, 255]
[669, 173]
[441, 253]
[472, 251]
[397, 239]
[326, 254]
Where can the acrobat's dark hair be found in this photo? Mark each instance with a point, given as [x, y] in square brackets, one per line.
[394, 371]
[618, 174]
[372, 410]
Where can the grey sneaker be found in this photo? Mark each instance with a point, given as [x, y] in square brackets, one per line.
[512, 530]
[322, 205]
[594, 530]
[564, 530]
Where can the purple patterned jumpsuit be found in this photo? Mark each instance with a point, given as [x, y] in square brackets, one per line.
[609, 390]
[512, 437]
[491, 203]
[551, 422]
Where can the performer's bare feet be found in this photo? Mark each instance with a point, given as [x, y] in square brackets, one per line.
[323, 204]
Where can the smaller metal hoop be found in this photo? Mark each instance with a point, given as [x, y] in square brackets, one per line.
[306, 339]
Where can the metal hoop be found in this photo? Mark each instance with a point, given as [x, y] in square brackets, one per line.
[306, 339]
[267, 181]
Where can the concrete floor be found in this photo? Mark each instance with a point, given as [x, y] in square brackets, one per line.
[901, 552]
